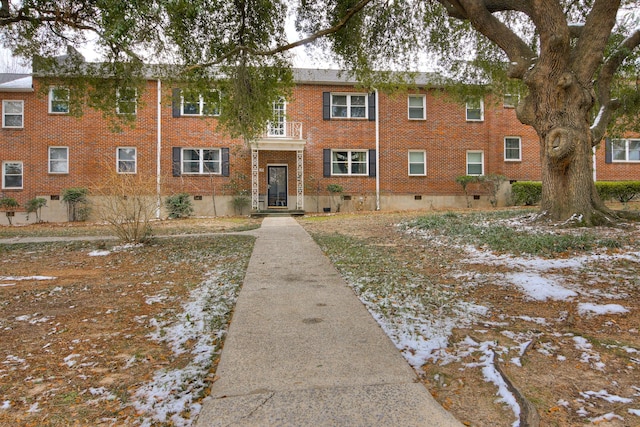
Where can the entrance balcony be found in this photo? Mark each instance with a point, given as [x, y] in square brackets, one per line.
[282, 136]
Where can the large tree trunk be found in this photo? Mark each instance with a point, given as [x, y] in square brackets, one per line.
[559, 110]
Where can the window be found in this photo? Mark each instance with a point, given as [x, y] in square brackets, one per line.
[197, 104]
[475, 110]
[349, 106]
[475, 163]
[58, 160]
[58, 100]
[126, 102]
[510, 100]
[278, 126]
[349, 162]
[12, 114]
[417, 163]
[12, 175]
[417, 107]
[625, 150]
[201, 161]
[126, 159]
[512, 151]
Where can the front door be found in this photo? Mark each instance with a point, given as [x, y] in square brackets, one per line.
[277, 193]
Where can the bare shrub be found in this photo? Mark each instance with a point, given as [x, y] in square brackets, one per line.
[128, 203]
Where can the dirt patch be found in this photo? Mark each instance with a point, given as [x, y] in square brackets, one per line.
[79, 319]
[575, 365]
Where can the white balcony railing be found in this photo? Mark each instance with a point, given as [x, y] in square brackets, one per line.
[284, 130]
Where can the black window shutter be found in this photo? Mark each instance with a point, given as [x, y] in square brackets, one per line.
[608, 155]
[225, 161]
[176, 98]
[372, 106]
[175, 161]
[326, 105]
[326, 162]
[372, 163]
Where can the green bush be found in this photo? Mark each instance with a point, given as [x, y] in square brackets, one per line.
[9, 205]
[622, 191]
[77, 201]
[35, 206]
[179, 205]
[526, 193]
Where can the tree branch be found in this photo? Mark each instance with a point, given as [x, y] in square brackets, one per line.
[605, 79]
[322, 33]
[587, 55]
[479, 13]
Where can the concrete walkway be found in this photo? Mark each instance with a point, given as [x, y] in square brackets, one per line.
[302, 350]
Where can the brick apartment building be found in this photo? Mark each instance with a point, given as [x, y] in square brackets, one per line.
[387, 151]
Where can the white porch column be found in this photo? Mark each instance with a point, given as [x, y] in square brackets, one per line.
[300, 179]
[255, 196]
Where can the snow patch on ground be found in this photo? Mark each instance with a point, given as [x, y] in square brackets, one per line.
[174, 392]
[599, 309]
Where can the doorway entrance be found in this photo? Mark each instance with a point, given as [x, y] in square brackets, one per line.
[277, 186]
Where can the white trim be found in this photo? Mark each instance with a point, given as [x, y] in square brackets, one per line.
[58, 160]
[626, 150]
[135, 160]
[51, 89]
[21, 174]
[481, 119]
[349, 106]
[201, 161]
[504, 146]
[201, 105]
[4, 114]
[135, 102]
[349, 163]
[424, 107]
[481, 152]
[424, 162]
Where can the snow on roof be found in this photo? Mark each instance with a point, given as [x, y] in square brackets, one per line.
[16, 83]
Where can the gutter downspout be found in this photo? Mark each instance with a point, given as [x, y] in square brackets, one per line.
[158, 148]
[377, 151]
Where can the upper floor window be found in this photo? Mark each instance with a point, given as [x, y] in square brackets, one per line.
[512, 148]
[58, 159]
[417, 162]
[278, 126]
[58, 100]
[201, 161]
[12, 175]
[12, 114]
[200, 104]
[475, 110]
[349, 162]
[475, 163]
[349, 106]
[126, 159]
[510, 100]
[417, 107]
[625, 150]
[127, 101]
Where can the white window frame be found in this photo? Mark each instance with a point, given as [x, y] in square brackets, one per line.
[201, 161]
[350, 163]
[349, 106]
[4, 175]
[53, 99]
[423, 108]
[278, 126]
[128, 101]
[64, 161]
[423, 162]
[468, 163]
[201, 106]
[510, 100]
[469, 108]
[519, 139]
[626, 150]
[5, 113]
[119, 160]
